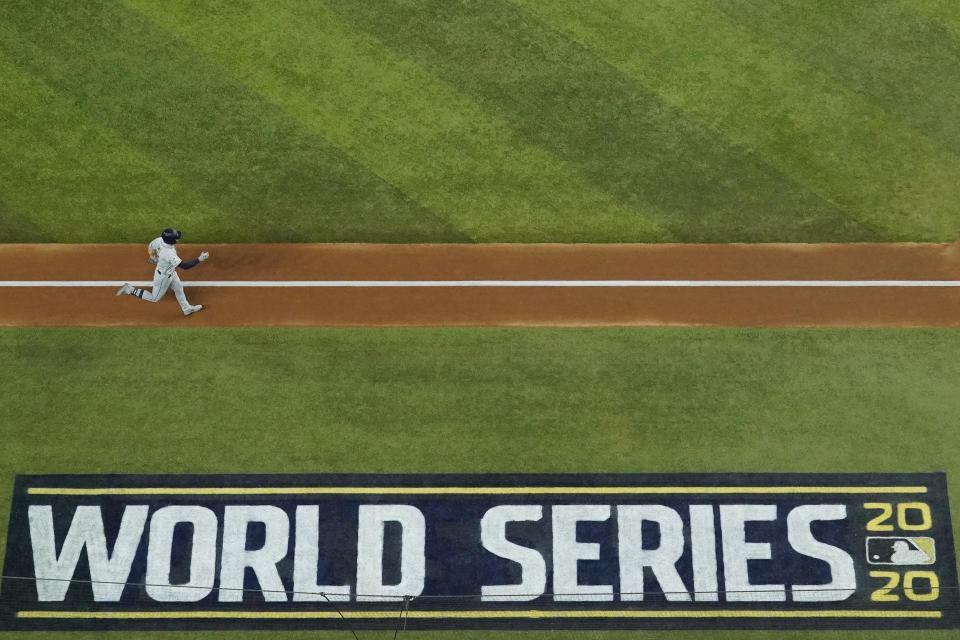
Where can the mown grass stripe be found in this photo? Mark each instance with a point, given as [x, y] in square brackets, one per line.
[624, 137]
[883, 172]
[270, 179]
[410, 127]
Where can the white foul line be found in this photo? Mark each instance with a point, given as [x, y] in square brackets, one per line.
[495, 283]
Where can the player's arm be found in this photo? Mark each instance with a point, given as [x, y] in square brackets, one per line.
[192, 263]
[153, 250]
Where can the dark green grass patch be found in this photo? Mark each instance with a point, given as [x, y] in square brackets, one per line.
[493, 400]
[903, 61]
[13, 224]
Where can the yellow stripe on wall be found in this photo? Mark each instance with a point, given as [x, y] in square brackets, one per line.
[429, 615]
[245, 491]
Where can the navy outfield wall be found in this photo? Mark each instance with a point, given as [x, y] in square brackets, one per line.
[586, 551]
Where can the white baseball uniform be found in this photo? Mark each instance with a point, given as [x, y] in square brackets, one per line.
[165, 275]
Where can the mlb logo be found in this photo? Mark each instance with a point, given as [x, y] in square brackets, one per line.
[900, 550]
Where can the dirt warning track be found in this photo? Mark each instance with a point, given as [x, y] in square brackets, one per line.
[351, 285]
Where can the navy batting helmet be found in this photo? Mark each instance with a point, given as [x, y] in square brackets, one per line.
[170, 236]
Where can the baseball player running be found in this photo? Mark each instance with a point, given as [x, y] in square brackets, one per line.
[163, 253]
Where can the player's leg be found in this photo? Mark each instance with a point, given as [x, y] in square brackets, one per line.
[185, 306]
[177, 285]
[160, 286]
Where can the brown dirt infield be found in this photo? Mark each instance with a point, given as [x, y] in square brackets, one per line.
[493, 306]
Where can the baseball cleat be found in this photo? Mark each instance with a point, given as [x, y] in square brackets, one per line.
[193, 309]
[126, 288]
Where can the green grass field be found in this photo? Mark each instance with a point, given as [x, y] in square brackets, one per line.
[495, 121]
[445, 121]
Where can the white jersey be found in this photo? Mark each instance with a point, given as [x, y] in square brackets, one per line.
[167, 259]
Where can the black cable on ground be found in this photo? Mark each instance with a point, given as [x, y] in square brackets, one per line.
[343, 617]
